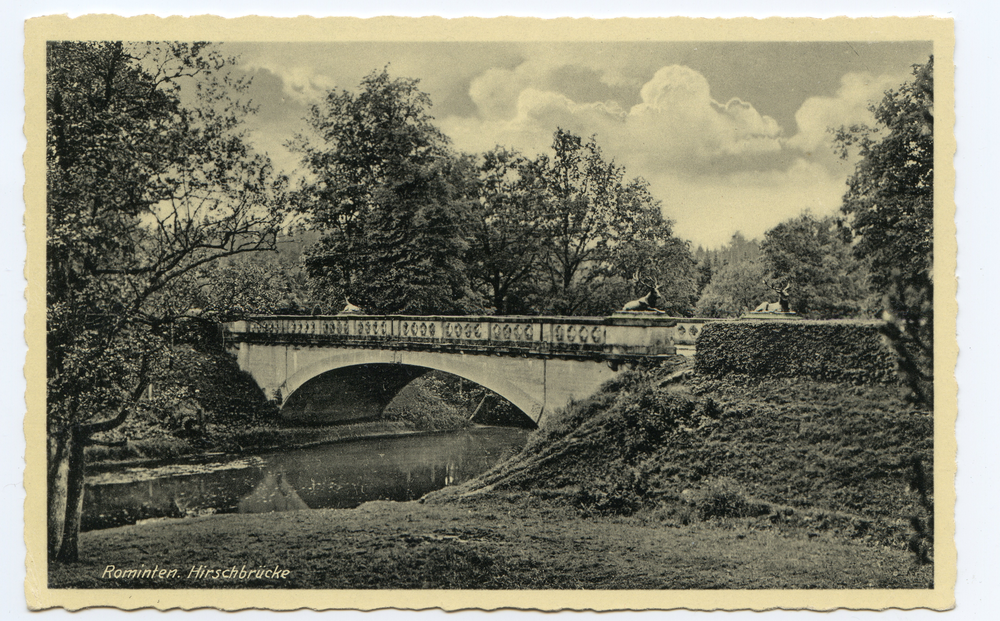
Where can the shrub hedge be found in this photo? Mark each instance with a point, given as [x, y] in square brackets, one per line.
[837, 351]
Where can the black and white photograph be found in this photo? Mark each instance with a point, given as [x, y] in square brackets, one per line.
[493, 315]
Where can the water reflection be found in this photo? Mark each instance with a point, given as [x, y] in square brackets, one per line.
[336, 475]
[273, 493]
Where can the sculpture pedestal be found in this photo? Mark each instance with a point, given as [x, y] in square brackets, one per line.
[647, 314]
[772, 315]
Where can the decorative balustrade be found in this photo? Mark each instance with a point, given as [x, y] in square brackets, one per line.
[603, 336]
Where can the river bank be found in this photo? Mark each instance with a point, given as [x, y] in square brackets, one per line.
[250, 441]
[427, 405]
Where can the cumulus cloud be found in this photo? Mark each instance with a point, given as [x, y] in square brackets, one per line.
[534, 117]
[848, 106]
[676, 122]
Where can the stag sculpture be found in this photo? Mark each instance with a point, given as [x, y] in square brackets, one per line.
[782, 305]
[647, 302]
[351, 308]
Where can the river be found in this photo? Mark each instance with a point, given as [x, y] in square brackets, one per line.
[338, 475]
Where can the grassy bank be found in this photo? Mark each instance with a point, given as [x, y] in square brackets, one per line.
[824, 456]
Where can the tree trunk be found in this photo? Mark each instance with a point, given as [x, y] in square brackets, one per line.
[58, 477]
[69, 550]
[66, 488]
[66, 474]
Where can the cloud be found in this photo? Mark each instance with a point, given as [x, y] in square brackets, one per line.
[534, 117]
[301, 83]
[676, 123]
[849, 106]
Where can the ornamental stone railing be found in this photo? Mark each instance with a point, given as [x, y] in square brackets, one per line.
[620, 336]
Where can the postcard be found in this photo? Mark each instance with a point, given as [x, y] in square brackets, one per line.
[570, 314]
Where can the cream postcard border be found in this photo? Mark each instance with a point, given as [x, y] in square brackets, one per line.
[210, 28]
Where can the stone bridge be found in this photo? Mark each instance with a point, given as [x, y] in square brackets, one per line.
[347, 367]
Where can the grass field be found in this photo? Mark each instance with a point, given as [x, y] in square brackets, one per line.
[495, 543]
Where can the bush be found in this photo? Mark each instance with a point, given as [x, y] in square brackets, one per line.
[723, 498]
[422, 405]
[843, 351]
[618, 493]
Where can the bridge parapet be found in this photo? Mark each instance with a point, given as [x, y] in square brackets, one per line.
[618, 337]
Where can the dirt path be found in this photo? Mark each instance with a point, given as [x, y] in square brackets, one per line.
[490, 545]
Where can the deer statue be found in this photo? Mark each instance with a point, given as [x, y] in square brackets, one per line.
[648, 301]
[782, 305]
[351, 308]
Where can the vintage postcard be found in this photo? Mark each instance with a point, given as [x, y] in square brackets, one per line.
[490, 313]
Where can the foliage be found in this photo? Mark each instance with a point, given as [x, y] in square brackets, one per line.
[505, 248]
[410, 227]
[210, 378]
[390, 199]
[846, 351]
[426, 403]
[620, 492]
[599, 225]
[144, 188]
[725, 498]
[890, 196]
[815, 256]
[735, 288]
[811, 254]
[738, 249]
[730, 278]
[890, 203]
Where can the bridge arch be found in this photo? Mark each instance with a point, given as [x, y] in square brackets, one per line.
[530, 404]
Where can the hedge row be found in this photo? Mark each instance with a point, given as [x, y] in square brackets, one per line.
[843, 351]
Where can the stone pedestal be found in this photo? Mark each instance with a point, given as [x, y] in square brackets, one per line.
[770, 315]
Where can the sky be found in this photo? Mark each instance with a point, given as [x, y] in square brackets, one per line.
[731, 136]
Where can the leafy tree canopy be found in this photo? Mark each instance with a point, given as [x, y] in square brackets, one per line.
[390, 198]
[814, 255]
[735, 288]
[890, 196]
[598, 225]
[506, 250]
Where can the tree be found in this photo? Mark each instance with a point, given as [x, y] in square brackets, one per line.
[814, 256]
[598, 225]
[142, 191]
[390, 198]
[734, 284]
[505, 248]
[735, 288]
[890, 206]
[653, 255]
[232, 290]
